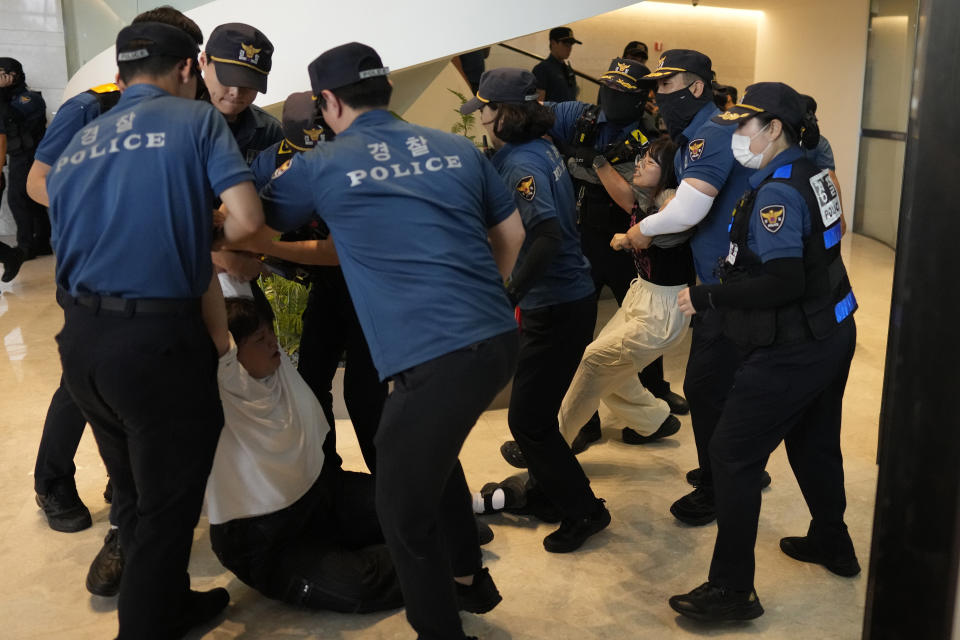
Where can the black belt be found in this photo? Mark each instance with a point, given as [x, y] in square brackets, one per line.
[129, 307]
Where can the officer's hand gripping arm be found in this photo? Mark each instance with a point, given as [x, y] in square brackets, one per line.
[506, 239]
[781, 282]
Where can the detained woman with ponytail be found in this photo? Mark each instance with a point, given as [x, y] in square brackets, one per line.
[787, 303]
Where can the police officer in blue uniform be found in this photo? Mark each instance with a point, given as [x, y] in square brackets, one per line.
[610, 133]
[131, 197]
[331, 330]
[410, 211]
[788, 305]
[711, 182]
[551, 284]
[23, 119]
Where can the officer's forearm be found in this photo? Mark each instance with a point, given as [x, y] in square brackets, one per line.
[245, 212]
[619, 189]
[781, 282]
[506, 239]
[310, 252]
[37, 182]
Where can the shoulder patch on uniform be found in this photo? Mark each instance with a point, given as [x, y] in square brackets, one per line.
[772, 217]
[281, 170]
[527, 188]
[24, 99]
[696, 148]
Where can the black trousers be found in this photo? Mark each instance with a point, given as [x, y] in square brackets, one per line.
[422, 496]
[791, 393]
[552, 342]
[713, 360]
[325, 551]
[33, 224]
[616, 270]
[148, 386]
[330, 329]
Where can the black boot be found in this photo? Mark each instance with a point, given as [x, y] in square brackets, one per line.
[573, 532]
[697, 508]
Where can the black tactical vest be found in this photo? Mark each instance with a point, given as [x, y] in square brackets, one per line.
[827, 299]
[23, 134]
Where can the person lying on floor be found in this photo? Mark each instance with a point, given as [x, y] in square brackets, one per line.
[285, 517]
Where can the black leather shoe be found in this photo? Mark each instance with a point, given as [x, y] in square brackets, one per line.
[103, 578]
[481, 596]
[695, 476]
[676, 402]
[574, 532]
[108, 492]
[201, 607]
[713, 603]
[64, 509]
[805, 550]
[11, 266]
[589, 434]
[696, 508]
[510, 451]
[669, 427]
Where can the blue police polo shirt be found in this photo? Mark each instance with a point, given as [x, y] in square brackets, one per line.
[780, 222]
[542, 190]
[131, 197]
[72, 116]
[408, 209]
[264, 165]
[708, 156]
[565, 124]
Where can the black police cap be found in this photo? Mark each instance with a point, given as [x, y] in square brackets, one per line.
[506, 84]
[636, 48]
[301, 126]
[677, 61]
[775, 98]
[242, 56]
[343, 65]
[563, 33]
[146, 39]
[627, 76]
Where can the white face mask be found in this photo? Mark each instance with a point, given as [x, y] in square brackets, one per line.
[740, 145]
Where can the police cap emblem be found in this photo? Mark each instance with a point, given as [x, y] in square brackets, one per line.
[772, 217]
[527, 188]
[696, 148]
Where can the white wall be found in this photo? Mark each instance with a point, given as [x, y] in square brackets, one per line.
[32, 32]
[819, 47]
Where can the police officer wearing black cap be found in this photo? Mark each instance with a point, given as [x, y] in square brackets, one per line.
[23, 120]
[788, 305]
[552, 287]
[426, 233]
[331, 330]
[556, 81]
[711, 183]
[598, 137]
[636, 50]
[131, 197]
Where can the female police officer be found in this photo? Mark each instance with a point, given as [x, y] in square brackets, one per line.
[788, 305]
[552, 285]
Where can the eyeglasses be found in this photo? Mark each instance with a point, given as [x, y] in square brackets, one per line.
[644, 160]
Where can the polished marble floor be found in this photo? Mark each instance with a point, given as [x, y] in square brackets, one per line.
[615, 587]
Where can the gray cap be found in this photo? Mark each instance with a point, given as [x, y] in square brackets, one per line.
[505, 84]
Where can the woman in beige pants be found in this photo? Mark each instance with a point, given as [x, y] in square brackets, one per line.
[646, 324]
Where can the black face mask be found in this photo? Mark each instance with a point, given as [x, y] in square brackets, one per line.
[679, 109]
[621, 108]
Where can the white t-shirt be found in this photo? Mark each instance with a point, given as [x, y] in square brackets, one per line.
[271, 448]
